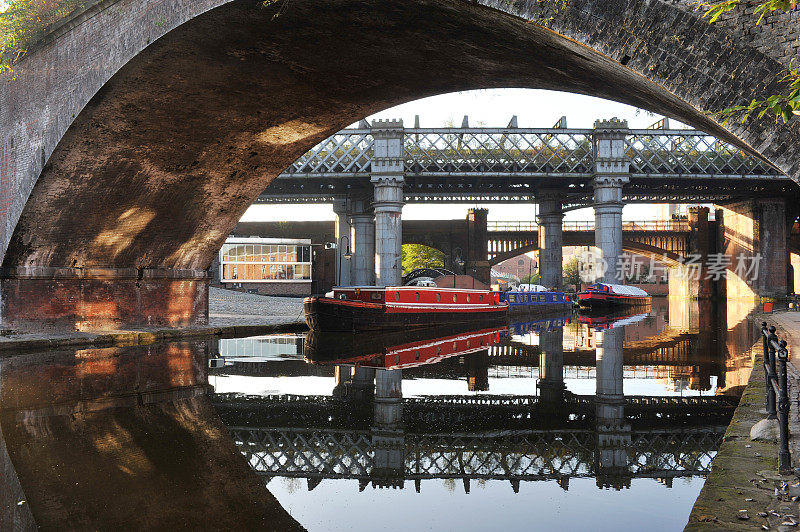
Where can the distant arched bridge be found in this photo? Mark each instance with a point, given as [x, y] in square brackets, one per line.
[667, 241]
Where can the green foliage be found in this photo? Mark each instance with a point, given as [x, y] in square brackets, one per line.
[417, 256]
[713, 10]
[531, 279]
[570, 274]
[782, 106]
[26, 21]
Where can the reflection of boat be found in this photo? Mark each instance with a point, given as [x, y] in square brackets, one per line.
[355, 309]
[536, 299]
[396, 350]
[613, 295]
[609, 321]
[543, 324]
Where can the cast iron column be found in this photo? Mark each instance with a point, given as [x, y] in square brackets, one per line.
[341, 233]
[612, 171]
[550, 240]
[362, 237]
[551, 365]
[388, 440]
[613, 433]
[387, 179]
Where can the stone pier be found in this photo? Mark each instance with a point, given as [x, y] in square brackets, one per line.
[693, 279]
[477, 265]
[478, 371]
[354, 383]
[612, 172]
[755, 235]
[550, 240]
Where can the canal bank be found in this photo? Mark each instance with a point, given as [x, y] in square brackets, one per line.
[231, 314]
[743, 490]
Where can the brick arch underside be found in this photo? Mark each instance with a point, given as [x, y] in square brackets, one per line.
[159, 165]
[667, 258]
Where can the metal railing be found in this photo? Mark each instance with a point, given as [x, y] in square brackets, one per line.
[776, 357]
[532, 152]
[588, 225]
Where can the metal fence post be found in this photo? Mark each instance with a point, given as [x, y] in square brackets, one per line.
[771, 410]
[765, 345]
[784, 459]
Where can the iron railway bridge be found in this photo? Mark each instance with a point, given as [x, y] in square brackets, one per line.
[499, 165]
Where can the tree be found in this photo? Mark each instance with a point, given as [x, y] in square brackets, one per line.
[531, 279]
[416, 256]
[570, 275]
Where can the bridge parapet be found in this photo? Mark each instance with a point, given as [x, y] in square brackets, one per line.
[677, 226]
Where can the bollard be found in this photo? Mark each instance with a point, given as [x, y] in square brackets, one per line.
[784, 458]
[772, 340]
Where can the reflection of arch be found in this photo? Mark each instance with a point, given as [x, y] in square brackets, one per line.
[668, 258]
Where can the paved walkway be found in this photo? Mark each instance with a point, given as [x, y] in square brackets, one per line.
[228, 307]
[744, 475]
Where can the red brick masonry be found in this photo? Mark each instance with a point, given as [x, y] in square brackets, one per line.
[98, 299]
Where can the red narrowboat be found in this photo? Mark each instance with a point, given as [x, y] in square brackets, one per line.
[613, 295]
[370, 308]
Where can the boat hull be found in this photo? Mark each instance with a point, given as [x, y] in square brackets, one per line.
[539, 309]
[336, 315]
[535, 303]
[599, 300]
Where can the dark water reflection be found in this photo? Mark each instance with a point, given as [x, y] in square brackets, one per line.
[551, 423]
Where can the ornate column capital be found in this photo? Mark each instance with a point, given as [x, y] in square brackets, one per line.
[612, 165]
[387, 162]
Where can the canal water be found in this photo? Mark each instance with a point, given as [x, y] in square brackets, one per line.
[554, 422]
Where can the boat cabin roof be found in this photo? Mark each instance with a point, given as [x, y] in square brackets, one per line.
[531, 288]
[620, 289]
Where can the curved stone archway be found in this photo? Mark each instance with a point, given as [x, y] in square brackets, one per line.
[668, 258]
[157, 139]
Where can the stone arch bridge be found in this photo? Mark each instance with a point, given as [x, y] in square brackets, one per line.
[666, 241]
[136, 132]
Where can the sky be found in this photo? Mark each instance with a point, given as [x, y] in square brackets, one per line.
[489, 108]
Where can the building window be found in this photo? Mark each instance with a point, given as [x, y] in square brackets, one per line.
[261, 262]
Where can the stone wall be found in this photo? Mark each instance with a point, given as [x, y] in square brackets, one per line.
[778, 35]
[754, 235]
[271, 289]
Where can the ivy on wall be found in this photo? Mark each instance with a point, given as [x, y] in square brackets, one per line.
[23, 22]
